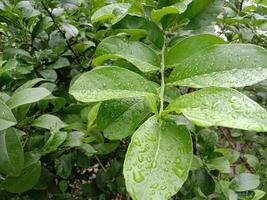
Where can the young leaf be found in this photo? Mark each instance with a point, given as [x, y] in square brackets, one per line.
[114, 11]
[28, 178]
[189, 46]
[110, 82]
[219, 163]
[177, 8]
[135, 52]
[11, 153]
[27, 96]
[54, 141]
[224, 65]
[7, 118]
[221, 107]
[119, 118]
[157, 160]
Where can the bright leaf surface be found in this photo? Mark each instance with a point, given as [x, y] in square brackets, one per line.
[225, 65]
[110, 82]
[157, 160]
[7, 118]
[135, 52]
[221, 107]
[114, 12]
[189, 46]
[27, 96]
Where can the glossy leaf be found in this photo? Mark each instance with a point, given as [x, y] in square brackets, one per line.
[105, 83]
[157, 160]
[119, 118]
[221, 107]
[225, 65]
[135, 52]
[54, 141]
[219, 163]
[28, 178]
[27, 96]
[114, 12]
[11, 153]
[189, 46]
[245, 181]
[49, 122]
[177, 8]
[205, 181]
[7, 118]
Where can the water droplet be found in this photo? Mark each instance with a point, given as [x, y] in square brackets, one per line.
[137, 142]
[154, 186]
[178, 160]
[138, 177]
[179, 172]
[140, 158]
[163, 187]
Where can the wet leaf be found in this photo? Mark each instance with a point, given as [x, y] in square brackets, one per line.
[158, 159]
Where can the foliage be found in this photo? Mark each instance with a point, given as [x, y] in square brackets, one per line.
[106, 99]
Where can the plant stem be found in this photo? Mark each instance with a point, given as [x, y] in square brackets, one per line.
[162, 69]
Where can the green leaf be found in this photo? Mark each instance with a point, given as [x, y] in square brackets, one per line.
[64, 164]
[29, 84]
[177, 8]
[54, 141]
[27, 96]
[205, 181]
[157, 160]
[135, 52]
[220, 163]
[221, 107]
[11, 153]
[245, 181]
[190, 46]
[224, 65]
[49, 122]
[7, 118]
[43, 24]
[28, 178]
[126, 116]
[258, 194]
[114, 12]
[105, 83]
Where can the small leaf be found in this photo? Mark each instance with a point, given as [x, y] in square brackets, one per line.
[245, 181]
[205, 181]
[7, 118]
[114, 11]
[135, 52]
[189, 46]
[49, 122]
[224, 65]
[64, 165]
[126, 116]
[70, 30]
[28, 178]
[54, 141]
[258, 194]
[105, 83]
[27, 96]
[177, 8]
[158, 160]
[220, 163]
[11, 153]
[221, 107]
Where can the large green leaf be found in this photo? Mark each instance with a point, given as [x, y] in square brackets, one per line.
[245, 181]
[158, 160]
[224, 65]
[189, 46]
[135, 52]
[119, 118]
[221, 107]
[177, 8]
[110, 82]
[27, 96]
[49, 122]
[28, 178]
[7, 118]
[11, 153]
[114, 12]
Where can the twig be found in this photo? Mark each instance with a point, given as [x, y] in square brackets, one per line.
[100, 163]
[162, 69]
[227, 134]
[241, 5]
[61, 32]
